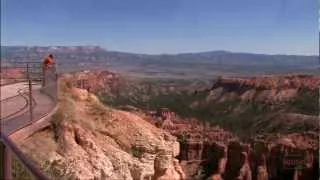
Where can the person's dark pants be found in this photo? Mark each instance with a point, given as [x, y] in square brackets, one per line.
[44, 69]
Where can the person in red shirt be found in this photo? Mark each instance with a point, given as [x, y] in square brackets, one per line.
[48, 64]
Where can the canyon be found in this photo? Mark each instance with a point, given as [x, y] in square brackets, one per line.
[221, 155]
[128, 141]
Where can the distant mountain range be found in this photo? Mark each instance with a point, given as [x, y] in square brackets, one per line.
[196, 64]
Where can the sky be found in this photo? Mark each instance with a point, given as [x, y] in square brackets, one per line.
[165, 26]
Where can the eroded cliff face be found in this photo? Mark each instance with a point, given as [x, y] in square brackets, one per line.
[90, 141]
[211, 152]
[111, 144]
[268, 89]
[102, 81]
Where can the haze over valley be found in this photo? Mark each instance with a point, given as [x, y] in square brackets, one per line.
[201, 65]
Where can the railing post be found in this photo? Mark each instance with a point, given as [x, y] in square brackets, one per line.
[30, 92]
[6, 162]
[2, 169]
[43, 75]
[28, 73]
[30, 100]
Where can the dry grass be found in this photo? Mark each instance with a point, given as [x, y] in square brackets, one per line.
[19, 171]
[43, 144]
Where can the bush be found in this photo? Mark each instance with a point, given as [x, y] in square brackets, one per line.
[56, 170]
[306, 103]
[19, 171]
[136, 152]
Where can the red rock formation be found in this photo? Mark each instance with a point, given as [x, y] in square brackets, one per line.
[164, 170]
[98, 81]
[219, 152]
[216, 162]
[223, 156]
[271, 89]
[237, 166]
[274, 82]
[10, 75]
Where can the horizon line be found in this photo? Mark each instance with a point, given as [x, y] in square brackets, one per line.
[159, 54]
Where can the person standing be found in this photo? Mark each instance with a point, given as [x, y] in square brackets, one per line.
[48, 64]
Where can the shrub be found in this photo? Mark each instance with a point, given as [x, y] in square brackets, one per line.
[136, 152]
[56, 170]
[19, 171]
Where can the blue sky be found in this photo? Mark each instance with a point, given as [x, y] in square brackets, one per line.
[165, 26]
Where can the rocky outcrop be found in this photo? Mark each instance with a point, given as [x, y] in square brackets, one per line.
[165, 169]
[97, 142]
[202, 146]
[237, 166]
[271, 82]
[269, 89]
[102, 81]
[221, 155]
[262, 160]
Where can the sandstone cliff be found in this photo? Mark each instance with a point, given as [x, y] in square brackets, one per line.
[265, 89]
[90, 141]
[212, 152]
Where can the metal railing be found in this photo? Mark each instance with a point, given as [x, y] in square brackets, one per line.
[32, 73]
[9, 148]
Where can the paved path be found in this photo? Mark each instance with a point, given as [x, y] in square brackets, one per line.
[11, 90]
[12, 101]
[13, 107]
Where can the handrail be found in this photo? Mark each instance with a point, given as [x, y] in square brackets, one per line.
[9, 147]
[29, 62]
[29, 165]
